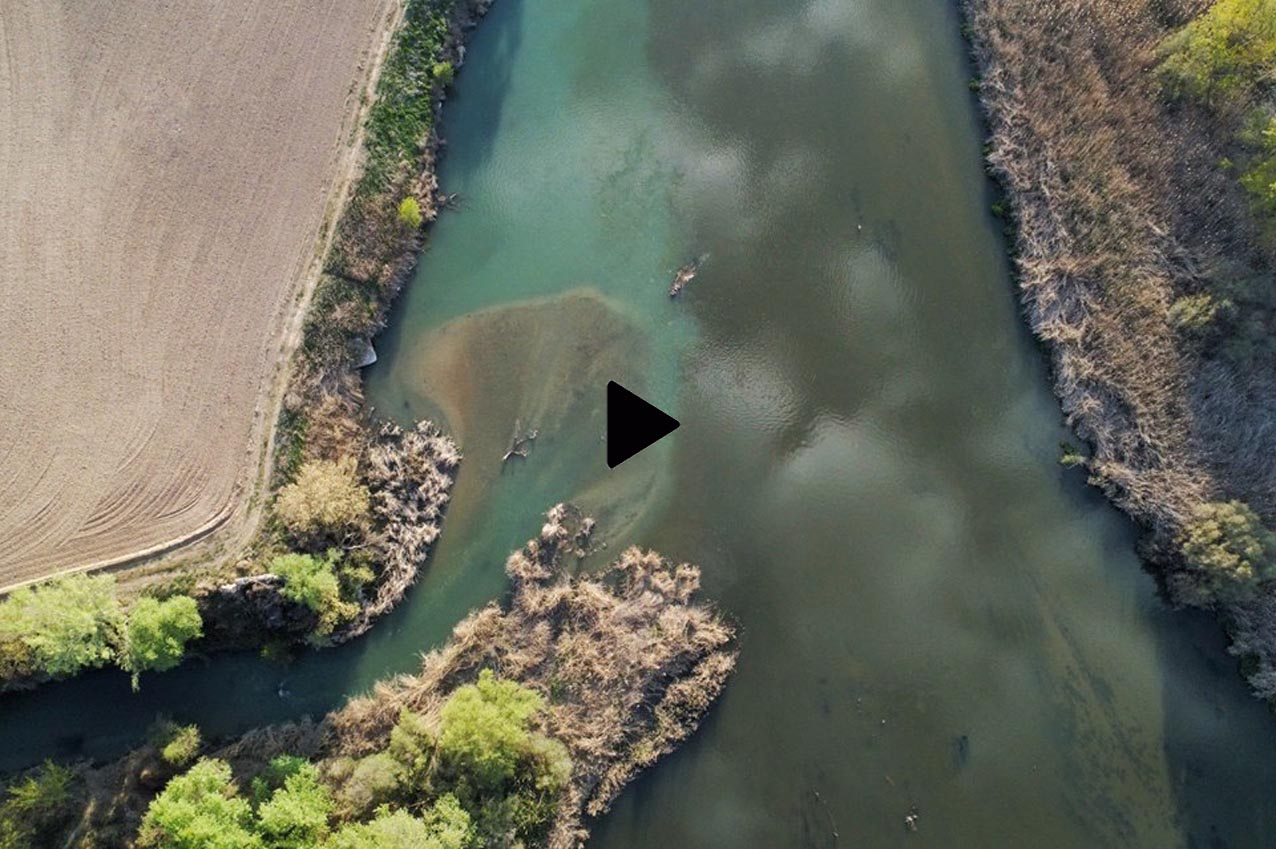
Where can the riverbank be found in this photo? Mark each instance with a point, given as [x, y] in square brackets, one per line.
[1125, 226]
[618, 669]
[353, 507]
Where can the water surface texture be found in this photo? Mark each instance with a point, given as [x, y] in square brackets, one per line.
[935, 617]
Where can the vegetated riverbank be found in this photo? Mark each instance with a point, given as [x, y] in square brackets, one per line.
[1119, 131]
[355, 506]
[518, 731]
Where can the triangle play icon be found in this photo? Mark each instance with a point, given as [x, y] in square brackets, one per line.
[632, 424]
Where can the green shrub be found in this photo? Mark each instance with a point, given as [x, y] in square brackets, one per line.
[158, 632]
[1070, 456]
[36, 806]
[1259, 175]
[1227, 551]
[178, 745]
[1224, 54]
[485, 730]
[443, 73]
[507, 775]
[67, 624]
[410, 213]
[371, 782]
[1202, 317]
[413, 747]
[200, 809]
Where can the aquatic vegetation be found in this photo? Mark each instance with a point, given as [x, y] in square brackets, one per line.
[627, 663]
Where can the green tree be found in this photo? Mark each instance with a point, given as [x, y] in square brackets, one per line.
[413, 747]
[449, 823]
[1227, 551]
[370, 782]
[313, 582]
[296, 815]
[200, 809]
[68, 624]
[410, 213]
[485, 730]
[445, 826]
[1224, 54]
[325, 498]
[158, 632]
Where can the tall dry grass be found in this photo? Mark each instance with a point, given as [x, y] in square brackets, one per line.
[1121, 207]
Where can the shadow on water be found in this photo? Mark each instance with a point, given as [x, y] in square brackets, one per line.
[1220, 742]
[497, 38]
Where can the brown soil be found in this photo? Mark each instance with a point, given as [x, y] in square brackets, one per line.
[168, 171]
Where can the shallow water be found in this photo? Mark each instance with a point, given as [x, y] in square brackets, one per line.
[935, 616]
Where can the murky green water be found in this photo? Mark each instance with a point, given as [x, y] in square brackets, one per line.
[934, 615]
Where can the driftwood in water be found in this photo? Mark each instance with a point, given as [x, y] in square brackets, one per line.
[684, 275]
[520, 442]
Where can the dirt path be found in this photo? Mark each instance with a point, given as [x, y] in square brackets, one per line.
[170, 171]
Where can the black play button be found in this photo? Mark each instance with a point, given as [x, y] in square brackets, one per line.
[632, 424]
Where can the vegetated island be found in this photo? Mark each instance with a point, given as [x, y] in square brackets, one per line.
[355, 506]
[519, 731]
[1136, 142]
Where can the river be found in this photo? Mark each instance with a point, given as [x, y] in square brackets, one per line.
[936, 617]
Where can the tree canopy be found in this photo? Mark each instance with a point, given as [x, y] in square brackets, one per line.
[200, 809]
[68, 624]
[1228, 551]
[158, 632]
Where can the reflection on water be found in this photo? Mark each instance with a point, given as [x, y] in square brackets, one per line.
[936, 619]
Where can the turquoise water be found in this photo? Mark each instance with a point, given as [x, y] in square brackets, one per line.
[935, 617]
